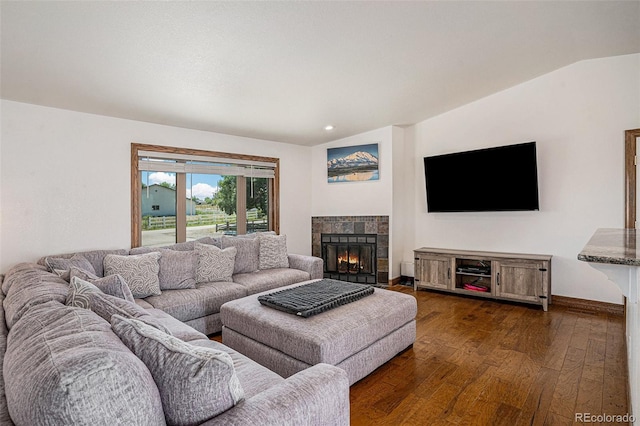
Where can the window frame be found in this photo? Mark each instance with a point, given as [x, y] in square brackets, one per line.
[136, 184]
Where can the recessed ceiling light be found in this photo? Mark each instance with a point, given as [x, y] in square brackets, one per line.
[329, 127]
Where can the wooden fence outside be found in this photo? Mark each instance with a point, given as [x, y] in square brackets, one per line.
[225, 220]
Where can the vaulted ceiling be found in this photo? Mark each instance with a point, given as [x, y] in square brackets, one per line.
[284, 70]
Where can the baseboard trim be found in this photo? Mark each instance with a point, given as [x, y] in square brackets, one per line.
[589, 305]
[395, 281]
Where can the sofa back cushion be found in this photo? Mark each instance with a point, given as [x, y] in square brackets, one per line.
[64, 365]
[26, 285]
[61, 266]
[248, 253]
[186, 246]
[4, 411]
[95, 257]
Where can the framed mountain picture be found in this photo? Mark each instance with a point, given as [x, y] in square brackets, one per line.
[353, 163]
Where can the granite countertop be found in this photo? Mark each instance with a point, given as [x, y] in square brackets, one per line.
[614, 246]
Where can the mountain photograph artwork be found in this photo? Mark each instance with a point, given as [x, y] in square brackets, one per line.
[353, 163]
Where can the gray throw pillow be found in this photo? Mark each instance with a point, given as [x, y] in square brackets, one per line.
[177, 269]
[113, 285]
[139, 271]
[61, 265]
[195, 383]
[273, 251]
[83, 294]
[214, 264]
[248, 255]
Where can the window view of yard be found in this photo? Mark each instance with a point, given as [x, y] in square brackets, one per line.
[211, 206]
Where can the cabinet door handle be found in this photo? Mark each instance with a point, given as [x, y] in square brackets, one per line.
[449, 273]
[498, 278]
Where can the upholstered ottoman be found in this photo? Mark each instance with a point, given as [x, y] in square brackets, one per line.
[357, 337]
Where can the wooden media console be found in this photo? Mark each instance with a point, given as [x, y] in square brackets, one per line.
[508, 276]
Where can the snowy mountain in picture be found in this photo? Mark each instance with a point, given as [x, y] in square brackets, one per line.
[355, 163]
[357, 159]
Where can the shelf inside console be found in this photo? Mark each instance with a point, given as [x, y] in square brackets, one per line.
[473, 275]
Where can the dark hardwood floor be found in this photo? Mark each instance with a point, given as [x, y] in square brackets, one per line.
[485, 362]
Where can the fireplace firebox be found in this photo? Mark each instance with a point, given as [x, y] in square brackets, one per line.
[350, 257]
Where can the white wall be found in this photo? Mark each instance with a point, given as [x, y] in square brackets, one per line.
[369, 198]
[578, 116]
[65, 179]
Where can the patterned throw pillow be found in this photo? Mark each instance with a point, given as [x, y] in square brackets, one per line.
[113, 285]
[195, 383]
[139, 271]
[214, 264]
[61, 265]
[83, 294]
[248, 254]
[273, 251]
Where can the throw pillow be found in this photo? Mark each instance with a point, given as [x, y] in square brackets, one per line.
[248, 253]
[61, 265]
[177, 269]
[195, 383]
[139, 271]
[83, 294]
[113, 285]
[214, 264]
[273, 251]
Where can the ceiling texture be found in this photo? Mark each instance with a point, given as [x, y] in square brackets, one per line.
[282, 71]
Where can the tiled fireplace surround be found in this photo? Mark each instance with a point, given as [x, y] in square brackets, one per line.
[378, 225]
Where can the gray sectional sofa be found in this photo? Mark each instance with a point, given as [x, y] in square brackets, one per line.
[142, 362]
[199, 307]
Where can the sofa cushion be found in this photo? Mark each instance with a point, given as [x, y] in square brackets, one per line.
[113, 285]
[64, 365]
[185, 246]
[273, 251]
[26, 285]
[61, 266]
[139, 271]
[204, 300]
[195, 383]
[175, 327]
[4, 411]
[95, 257]
[83, 294]
[269, 279]
[177, 269]
[248, 255]
[214, 264]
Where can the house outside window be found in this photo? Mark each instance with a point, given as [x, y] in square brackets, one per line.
[224, 194]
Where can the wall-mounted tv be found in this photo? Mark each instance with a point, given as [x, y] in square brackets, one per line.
[503, 178]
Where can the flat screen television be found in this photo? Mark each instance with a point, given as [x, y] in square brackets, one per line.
[503, 178]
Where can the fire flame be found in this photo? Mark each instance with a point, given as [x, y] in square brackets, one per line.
[351, 260]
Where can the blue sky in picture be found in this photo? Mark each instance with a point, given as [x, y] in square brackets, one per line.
[201, 185]
[333, 153]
